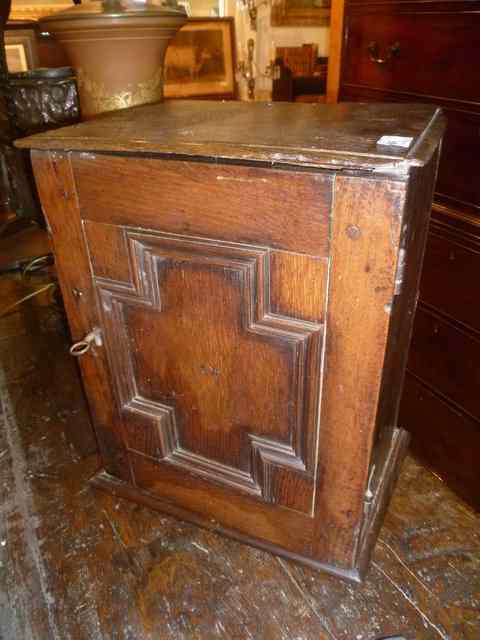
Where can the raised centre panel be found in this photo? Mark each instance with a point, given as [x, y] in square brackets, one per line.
[208, 378]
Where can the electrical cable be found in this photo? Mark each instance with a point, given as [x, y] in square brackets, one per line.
[11, 307]
[36, 264]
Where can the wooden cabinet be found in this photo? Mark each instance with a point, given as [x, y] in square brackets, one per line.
[425, 52]
[246, 277]
[402, 48]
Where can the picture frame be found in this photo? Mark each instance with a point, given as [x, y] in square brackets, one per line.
[21, 49]
[300, 13]
[16, 58]
[200, 60]
[35, 11]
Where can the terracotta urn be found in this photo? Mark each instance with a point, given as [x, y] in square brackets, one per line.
[117, 48]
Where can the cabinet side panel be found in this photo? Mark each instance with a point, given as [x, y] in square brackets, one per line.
[366, 226]
[56, 186]
[413, 241]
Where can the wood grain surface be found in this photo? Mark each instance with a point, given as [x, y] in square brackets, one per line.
[79, 564]
[333, 136]
[284, 210]
[59, 197]
[224, 396]
[365, 240]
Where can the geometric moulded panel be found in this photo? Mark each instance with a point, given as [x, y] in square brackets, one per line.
[206, 377]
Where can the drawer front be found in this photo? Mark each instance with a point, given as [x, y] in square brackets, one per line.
[449, 443]
[427, 53]
[458, 172]
[446, 358]
[449, 276]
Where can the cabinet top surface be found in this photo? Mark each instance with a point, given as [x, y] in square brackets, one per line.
[343, 136]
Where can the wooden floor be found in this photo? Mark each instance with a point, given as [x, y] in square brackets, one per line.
[76, 563]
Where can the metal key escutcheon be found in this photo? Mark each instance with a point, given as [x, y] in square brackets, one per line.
[81, 348]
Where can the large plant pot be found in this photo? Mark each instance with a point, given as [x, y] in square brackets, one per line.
[117, 48]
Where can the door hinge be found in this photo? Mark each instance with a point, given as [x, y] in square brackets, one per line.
[400, 274]
[369, 493]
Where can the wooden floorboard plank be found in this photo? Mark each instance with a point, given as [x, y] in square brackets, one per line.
[19, 541]
[112, 569]
[425, 575]
[81, 564]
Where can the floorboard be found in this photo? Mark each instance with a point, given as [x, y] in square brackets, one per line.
[79, 564]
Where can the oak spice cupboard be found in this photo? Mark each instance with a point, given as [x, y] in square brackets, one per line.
[241, 280]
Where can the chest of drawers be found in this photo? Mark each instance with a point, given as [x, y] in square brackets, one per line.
[425, 52]
[246, 277]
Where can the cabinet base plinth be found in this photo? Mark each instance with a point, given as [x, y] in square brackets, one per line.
[104, 481]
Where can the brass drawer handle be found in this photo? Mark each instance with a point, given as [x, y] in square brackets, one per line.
[81, 348]
[374, 52]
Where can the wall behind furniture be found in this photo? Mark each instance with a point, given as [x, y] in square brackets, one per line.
[266, 39]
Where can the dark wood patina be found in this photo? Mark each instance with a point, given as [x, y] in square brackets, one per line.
[250, 273]
[81, 565]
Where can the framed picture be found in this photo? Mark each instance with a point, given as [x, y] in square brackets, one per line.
[24, 10]
[300, 13]
[16, 58]
[200, 60]
[21, 49]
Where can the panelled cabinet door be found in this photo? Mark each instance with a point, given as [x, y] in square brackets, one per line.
[208, 379]
[210, 292]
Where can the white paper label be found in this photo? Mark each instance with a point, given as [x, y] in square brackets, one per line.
[395, 141]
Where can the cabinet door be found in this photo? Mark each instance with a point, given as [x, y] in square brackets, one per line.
[208, 380]
[209, 288]
[208, 285]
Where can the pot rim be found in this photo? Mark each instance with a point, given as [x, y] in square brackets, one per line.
[108, 12]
